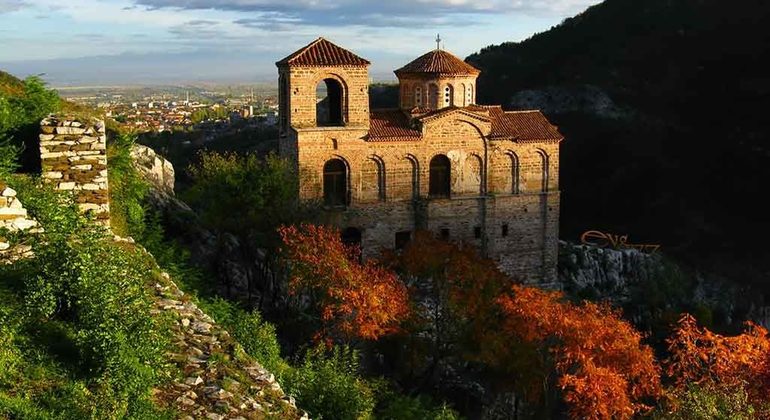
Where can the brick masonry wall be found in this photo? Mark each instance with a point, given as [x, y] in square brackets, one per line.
[73, 155]
[463, 90]
[302, 96]
[529, 249]
[493, 182]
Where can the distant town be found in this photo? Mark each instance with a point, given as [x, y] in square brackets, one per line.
[214, 111]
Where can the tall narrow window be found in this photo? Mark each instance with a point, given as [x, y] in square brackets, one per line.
[380, 165]
[439, 177]
[514, 173]
[448, 95]
[543, 171]
[328, 108]
[433, 96]
[465, 95]
[283, 108]
[335, 183]
[469, 95]
[415, 168]
[418, 96]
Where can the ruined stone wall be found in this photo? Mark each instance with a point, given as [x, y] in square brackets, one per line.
[73, 154]
[13, 219]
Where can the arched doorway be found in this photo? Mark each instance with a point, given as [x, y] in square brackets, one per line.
[335, 183]
[328, 111]
[439, 177]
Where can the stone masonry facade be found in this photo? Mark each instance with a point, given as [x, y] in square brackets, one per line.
[469, 173]
[73, 156]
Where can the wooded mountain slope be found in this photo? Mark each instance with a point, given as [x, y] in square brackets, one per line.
[663, 104]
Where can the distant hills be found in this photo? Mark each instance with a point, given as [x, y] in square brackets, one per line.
[664, 106]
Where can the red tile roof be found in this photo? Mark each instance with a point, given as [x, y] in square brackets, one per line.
[391, 124]
[519, 126]
[522, 126]
[439, 62]
[323, 53]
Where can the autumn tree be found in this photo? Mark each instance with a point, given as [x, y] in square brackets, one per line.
[353, 300]
[452, 291]
[600, 365]
[719, 364]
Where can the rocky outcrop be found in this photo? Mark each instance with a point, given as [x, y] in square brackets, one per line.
[608, 271]
[154, 169]
[238, 277]
[560, 100]
[645, 286]
[219, 380]
[13, 220]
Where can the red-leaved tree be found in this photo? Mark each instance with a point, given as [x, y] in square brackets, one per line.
[603, 369]
[354, 300]
[699, 356]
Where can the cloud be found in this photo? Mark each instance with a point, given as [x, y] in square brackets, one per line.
[7, 6]
[272, 14]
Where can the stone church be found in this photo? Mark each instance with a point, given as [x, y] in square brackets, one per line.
[439, 162]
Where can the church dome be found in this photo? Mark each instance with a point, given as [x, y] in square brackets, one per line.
[438, 62]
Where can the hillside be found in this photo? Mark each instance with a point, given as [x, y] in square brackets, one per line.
[10, 85]
[662, 103]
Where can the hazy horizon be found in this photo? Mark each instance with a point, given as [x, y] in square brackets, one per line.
[162, 42]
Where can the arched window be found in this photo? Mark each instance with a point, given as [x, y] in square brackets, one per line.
[439, 176]
[335, 183]
[514, 173]
[544, 171]
[418, 96]
[465, 95]
[329, 100]
[380, 167]
[415, 167]
[469, 95]
[283, 108]
[433, 96]
[449, 93]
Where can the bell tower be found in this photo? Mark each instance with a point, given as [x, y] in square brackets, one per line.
[323, 85]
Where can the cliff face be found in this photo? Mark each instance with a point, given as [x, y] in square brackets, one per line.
[653, 291]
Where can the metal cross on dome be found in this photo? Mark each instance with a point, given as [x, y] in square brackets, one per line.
[438, 41]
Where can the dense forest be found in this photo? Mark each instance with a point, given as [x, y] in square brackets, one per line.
[663, 106]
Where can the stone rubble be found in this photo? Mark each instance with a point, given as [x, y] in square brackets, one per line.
[13, 219]
[218, 380]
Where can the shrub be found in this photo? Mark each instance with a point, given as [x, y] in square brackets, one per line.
[99, 288]
[328, 385]
[708, 403]
[9, 154]
[257, 337]
[127, 188]
[403, 407]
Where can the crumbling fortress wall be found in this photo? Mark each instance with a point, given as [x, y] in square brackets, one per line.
[73, 155]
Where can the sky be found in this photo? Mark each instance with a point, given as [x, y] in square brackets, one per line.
[109, 42]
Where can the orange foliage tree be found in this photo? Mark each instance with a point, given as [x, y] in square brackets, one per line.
[699, 356]
[354, 300]
[603, 369]
[453, 292]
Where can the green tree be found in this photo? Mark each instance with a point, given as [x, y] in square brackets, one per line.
[246, 197]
